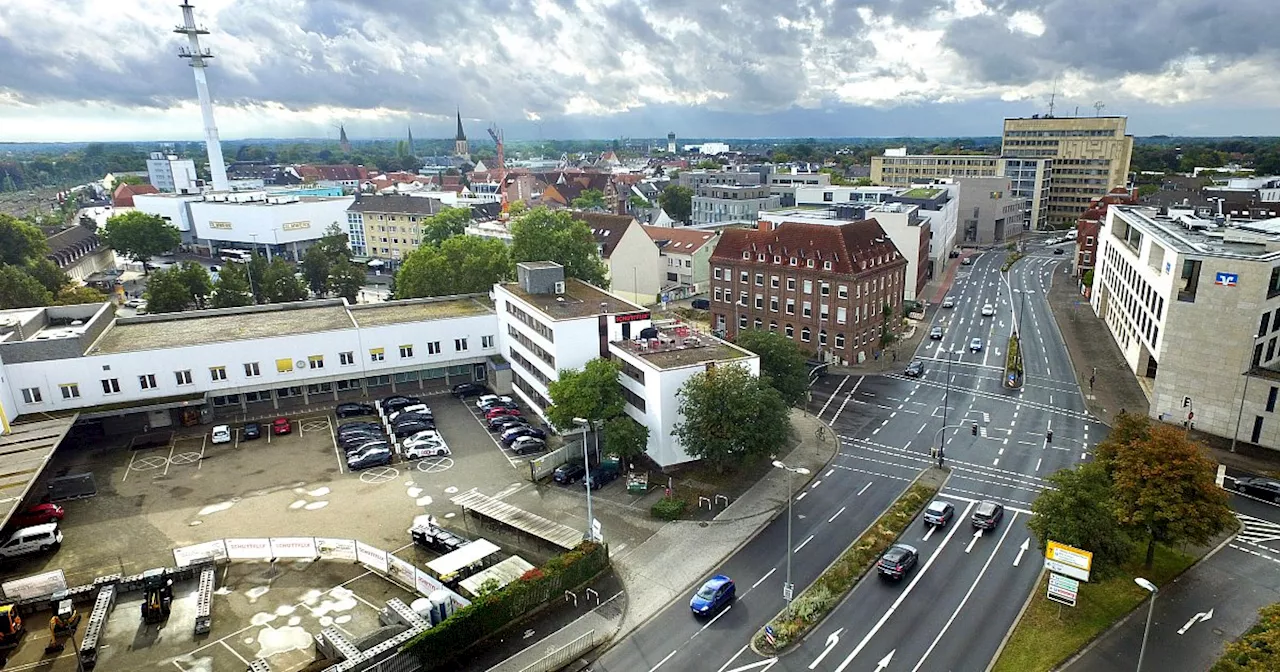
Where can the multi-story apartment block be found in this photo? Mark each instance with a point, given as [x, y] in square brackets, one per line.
[1090, 156]
[684, 259]
[1030, 177]
[170, 174]
[549, 323]
[388, 227]
[1089, 229]
[727, 196]
[825, 287]
[1195, 308]
[785, 185]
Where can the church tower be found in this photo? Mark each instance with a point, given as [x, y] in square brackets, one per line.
[460, 141]
[343, 143]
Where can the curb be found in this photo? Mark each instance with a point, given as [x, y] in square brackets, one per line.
[1075, 371]
[1014, 626]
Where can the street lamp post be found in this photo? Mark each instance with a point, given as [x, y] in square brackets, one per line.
[587, 463]
[788, 591]
[946, 402]
[1150, 587]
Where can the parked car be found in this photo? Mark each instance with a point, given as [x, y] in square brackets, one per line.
[221, 434]
[939, 513]
[398, 401]
[503, 422]
[250, 431]
[410, 428]
[976, 344]
[569, 473]
[935, 333]
[367, 445]
[897, 561]
[1266, 488]
[501, 410]
[281, 426]
[359, 424]
[420, 450]
[948, 302]
[406, 418]
[967, 261]
[600, 476]
[373, 456]
[717, 592]
[528, 445]
[987, 515]
[487, 401]
[34, 539]
[38, 514]
[510, 434]
[701, 304]
[423, 414]
[988, 310]
[1057, 250]
[347, 441]
[352, 410]
[915, 369]
[465, 390]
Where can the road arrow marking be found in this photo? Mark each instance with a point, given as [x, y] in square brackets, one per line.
[976, 536]
[1022, 549]
[832, 640]
[761, 665]
[884, 662]
[1200, 617]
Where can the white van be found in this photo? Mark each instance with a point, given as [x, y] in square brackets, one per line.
[37, 538]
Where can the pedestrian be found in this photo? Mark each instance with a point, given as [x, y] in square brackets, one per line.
[895, 355]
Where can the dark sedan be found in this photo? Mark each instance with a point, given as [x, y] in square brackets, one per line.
[987, 515]
[504, 422]
[353, 410]
[914, 369]
[1263, 488]
[250, 431]
[510, 434]
[569, 473]
[898, 561]
[412, 427]
[373, 456]
[470, 390]
[397, 402]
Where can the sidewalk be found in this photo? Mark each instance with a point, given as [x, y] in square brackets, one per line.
[661, 569]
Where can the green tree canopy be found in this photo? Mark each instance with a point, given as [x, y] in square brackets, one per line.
[73, 295]
[592, 392]
[459, 265]
[1258, 649]
[638, 202]
[1078, 510]
[167, 291]
[445, 224]
[728, 415]
[589, 199]
[255, 273]
[782, 364]
[546, 235]
[140, 236]
[625, 437]
[19, 290]
[320, 259]
[232, 288]
[47, 274]
[345, 280]
[197, 281]
[20, 241]
[280, 284]
[677, 202]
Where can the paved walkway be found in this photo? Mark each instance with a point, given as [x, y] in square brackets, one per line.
[661, 569]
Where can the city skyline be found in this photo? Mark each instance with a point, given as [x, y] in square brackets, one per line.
[557, 69]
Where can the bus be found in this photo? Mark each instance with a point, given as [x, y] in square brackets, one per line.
[241, 256]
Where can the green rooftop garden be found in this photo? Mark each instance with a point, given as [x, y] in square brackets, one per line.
[922, 192]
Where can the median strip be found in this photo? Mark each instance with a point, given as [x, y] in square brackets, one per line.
[826, 592]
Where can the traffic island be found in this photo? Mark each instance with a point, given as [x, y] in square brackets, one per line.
[1013, 364]
[812, 606]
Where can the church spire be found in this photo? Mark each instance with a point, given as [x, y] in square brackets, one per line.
[342, 139]
[461, 137]
[460, 148]
[410, 127]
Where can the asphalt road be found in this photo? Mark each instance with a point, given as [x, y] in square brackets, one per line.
[953, 610]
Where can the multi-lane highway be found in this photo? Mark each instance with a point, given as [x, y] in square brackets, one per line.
[953, 610]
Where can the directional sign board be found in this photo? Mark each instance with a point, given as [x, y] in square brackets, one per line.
[1063, 589]
[1069, 560]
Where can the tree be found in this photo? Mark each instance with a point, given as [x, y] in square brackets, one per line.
[167, 291]
[1257, 649]
[140, 236]
[446, 224]
[459, 265]
[589, 199]
[1164, 488]
[129, 179]
[346, 279]
[863, 182]
[19, 290]
[255, 273]
[708, 164]
[232, 288]
[625, 437]
[20, 241]
[782, 364]
[47, 274]
[592, 393]
[280, 284]
[197, 281]
[73, 294]
[677, 202]
[320, 259]
[728, 415]
[638, 202]
[1078, 510]
[546, 235]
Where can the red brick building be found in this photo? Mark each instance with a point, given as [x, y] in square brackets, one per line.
[823, 286]
[1090, 223]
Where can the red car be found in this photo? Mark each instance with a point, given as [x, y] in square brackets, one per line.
[281, 426]
[37, 515]
[501, 410]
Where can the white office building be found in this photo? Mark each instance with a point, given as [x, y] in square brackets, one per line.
[168, 173]
[1195, 308]
[548, 323]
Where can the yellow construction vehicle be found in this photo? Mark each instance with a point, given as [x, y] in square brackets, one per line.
[11, 628]
[63, 623]
[157, 595]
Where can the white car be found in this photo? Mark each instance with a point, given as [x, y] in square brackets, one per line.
[948, 302]
[988, 310]
[424, 444]
[976, 345]
[222, 434]
[487, 400]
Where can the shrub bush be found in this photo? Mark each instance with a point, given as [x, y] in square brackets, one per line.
[668, 508]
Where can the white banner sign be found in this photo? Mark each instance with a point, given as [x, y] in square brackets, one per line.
[336, 549]
[1068, 570]
[427, 584]
[36, 585]
[293, 547]
[402, 571]
[249, 549]
[375, 558]
[185, 556]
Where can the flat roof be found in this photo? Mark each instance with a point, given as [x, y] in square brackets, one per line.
[470, 553]
[579, 300]
[419, 310]
[176, 330]
[1251, 240]
[679, 346]
[24, 453]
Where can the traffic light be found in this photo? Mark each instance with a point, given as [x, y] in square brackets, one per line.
[1048, 437]
[1186, 401]
[973, 429]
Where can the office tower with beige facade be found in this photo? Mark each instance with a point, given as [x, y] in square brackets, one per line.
[1090, 156]
[1029, 177]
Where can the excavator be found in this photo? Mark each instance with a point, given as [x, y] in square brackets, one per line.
[63, 623]
[157, 595]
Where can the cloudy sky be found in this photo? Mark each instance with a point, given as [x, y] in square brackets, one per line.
[107, 69]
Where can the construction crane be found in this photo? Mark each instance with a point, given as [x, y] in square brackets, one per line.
[496, 134]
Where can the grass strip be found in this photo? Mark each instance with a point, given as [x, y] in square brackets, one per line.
[810, 607]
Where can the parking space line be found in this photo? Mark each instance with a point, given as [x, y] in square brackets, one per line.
[204, 440]
[336, 452]
[172, 444]
[233, 651]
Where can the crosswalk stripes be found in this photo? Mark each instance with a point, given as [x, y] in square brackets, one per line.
[1256, 530]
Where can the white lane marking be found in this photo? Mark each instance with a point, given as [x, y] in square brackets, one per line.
[660, 662]
[847, 397]
[833, 396]
[816, 484]
[1038, 463]
[838, 512]
[801, 496]
[829, 472]
[712, 621]
[864, 489]
[757, 583]
[803, 543]
[735, 657]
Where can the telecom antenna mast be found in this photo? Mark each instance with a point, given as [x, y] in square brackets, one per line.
[198, 56]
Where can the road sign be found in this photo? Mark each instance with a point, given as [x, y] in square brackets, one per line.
[1063, 589]
[1068, 560]
[768, 635]
[787, 591]
[596, 534]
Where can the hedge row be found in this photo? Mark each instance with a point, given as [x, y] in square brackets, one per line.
[811, 606]
[471, 625]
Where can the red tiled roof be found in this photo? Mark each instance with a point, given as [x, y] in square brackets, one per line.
[681, 240]
[334, 173]
[124, 193]
[851, 248]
